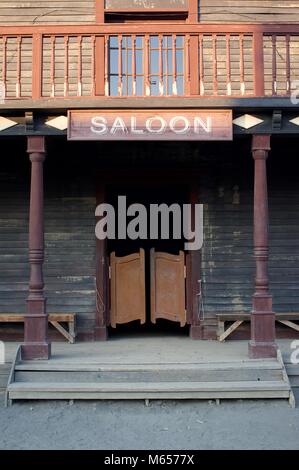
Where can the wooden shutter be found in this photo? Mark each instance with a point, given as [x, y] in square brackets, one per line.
[127, 288]
[168, 287]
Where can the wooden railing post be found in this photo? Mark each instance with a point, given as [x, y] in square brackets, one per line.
[100, 65]
[37, 64]
[100, 11]
[193, 11]
[258, 64]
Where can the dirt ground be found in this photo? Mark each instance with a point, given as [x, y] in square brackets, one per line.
[168, 425]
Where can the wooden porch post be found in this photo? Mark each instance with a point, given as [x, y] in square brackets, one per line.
[193, 286]
[262, 342]
[36, 344]
[102, 279]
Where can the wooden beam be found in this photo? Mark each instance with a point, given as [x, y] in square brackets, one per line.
[100, 11]
[237, 103]
[193, 15]
[147, 28]
[225, 333]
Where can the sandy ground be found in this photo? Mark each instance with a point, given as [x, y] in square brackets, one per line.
[161, 425]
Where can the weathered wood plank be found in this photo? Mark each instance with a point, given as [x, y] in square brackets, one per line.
[41, 12]
[249, 11]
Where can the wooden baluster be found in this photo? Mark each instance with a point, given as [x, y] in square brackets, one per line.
[166, 66]
[174, 66]
[126, 75]
[187, 66]
[53, 41]
[201, 66]
[161, 81]
[4, 64]
[242, 73]
[274, 65]
[134, 90]
[215, 68]
[288, 64]
[120, 65]
[106, 75]
[93, 65]
[147, 66]
[228, 66]
[19, 67]
[79, 69]
[66, 66]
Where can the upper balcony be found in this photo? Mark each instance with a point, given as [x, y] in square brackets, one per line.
[40, 65]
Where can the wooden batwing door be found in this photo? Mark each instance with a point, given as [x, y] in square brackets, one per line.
[168, 287]
[127, 289]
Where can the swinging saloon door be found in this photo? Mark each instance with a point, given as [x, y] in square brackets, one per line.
[127, 288]
[168, 298]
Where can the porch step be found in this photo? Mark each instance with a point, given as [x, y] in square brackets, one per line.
[56, 379]
[148, 373]
[142, 390]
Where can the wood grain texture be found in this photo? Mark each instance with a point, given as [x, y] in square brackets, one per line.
[127, 288]
[145, 4]
[227, 264]
[69, 269]
[44, 12]
[249, 11]
[168, 298]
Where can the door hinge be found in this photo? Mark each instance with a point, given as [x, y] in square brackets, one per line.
[109, 272]
[185, 272]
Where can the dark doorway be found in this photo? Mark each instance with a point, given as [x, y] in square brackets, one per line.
[146, 194]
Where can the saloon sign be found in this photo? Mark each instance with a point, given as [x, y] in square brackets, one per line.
[150, 125]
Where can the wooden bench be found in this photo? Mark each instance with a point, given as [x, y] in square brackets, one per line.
[287, 319]
[54, 319]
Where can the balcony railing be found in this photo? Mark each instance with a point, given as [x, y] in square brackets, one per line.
[148, 60]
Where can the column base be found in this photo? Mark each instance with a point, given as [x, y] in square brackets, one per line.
[196, 332]
[262, 350]
[35, 351]
[101, 333]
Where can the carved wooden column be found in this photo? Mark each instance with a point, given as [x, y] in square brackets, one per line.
[262, 342]
[36, 345]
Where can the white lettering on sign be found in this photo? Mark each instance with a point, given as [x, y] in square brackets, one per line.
[153, 125]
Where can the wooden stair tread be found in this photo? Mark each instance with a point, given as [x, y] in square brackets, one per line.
[97, 367]
[162, 386]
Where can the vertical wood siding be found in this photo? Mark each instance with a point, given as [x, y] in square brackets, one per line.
[45, 11]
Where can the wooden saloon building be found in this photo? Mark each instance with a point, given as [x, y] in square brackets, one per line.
[163, 101]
